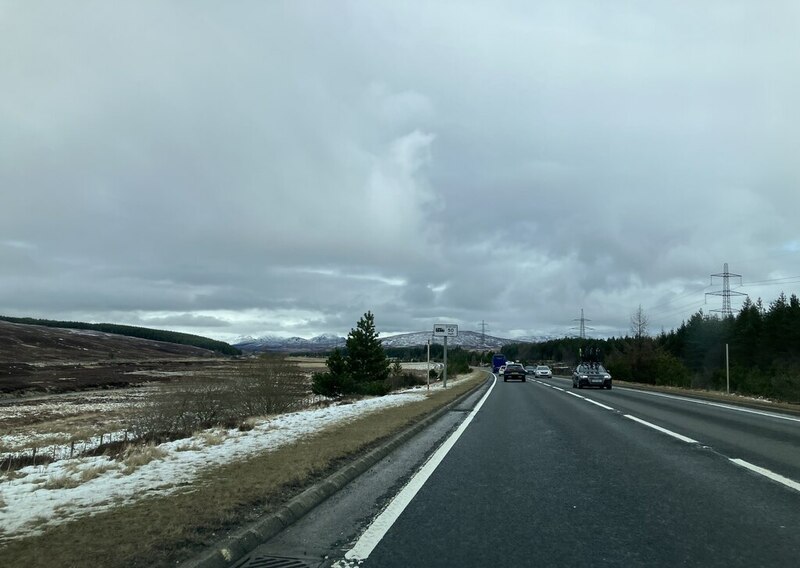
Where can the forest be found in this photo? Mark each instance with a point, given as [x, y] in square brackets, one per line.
[763, 346]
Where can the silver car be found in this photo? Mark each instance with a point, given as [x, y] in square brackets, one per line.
[543, 372]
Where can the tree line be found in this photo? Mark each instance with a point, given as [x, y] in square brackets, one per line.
[763, 344]
[135, 331]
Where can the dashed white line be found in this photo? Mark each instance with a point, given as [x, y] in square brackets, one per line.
[790, 483]
[600, 404]
[662, 430]
[716, 404]
[767, 473]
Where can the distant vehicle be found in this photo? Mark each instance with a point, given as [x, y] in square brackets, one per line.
[514, 371]
[591, 375]
[530, 370]
[498, 361]
[543, 372]
[501, 370]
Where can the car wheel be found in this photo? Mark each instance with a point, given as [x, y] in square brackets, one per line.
[524, 380]
[580, 386]
[505, 380]
[609, 386]
[573, 384]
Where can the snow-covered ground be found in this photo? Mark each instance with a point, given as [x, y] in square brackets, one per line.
[36, 497]
[422, 366]
[56, 425]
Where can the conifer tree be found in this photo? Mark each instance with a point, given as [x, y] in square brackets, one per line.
[366, 359]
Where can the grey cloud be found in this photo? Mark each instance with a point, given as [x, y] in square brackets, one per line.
[284, 169]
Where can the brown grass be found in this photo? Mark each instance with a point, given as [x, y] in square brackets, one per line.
[160, 531]
[94, 472]
[135, 457]
[61, 482]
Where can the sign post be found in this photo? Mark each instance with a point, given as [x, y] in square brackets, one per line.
[445, 330]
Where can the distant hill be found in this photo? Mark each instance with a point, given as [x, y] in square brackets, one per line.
[134, 331]
[37, 344]
[322, 343]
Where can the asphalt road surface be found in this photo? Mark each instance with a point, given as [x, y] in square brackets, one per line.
[546, 475]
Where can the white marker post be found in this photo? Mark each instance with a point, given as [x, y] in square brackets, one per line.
[428, 375]
[445, 330]
[727, 370]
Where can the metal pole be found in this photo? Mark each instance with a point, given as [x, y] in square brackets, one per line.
[428, 374]
[445, 362]
[727, 370]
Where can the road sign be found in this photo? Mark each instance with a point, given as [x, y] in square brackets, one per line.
[445, 330]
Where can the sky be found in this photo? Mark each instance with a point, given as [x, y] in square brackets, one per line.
[282, 167]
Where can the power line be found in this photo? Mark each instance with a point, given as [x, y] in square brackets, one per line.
[774, 281]
[667, 305]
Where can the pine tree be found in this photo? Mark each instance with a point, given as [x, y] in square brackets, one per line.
[366, 359]
[337, 365]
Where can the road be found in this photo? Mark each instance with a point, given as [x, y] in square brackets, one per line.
[546, 475]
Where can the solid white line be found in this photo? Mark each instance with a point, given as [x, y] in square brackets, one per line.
[717, 404]
[663, 430]
[767, 473]
[383, 522]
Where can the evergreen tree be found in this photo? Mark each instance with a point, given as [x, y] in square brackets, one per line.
[337, 365]
[366, 359]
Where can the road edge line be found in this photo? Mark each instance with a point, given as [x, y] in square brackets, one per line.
[238, 545]
[371, 537]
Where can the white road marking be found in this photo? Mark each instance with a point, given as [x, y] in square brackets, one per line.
[717, 404]
[767, 473]
[383, 522]
[662, 430]
[600, 404]
[558, 389]
[790, 483]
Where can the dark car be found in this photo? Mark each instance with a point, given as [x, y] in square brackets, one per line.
[591, 375]
[530, 370]
[514, 371]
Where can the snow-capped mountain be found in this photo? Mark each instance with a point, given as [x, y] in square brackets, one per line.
[327, 341]
[465, 339]
[324, 342]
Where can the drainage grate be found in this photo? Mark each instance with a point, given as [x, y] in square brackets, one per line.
[277, 562]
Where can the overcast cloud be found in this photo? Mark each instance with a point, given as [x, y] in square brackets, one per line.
[233, 168]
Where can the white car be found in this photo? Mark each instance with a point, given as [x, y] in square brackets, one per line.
[501, 370]
[543, 372]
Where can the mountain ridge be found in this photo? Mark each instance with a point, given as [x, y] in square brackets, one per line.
[327, 341]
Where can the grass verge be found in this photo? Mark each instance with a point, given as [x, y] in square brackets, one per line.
[160, 531]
